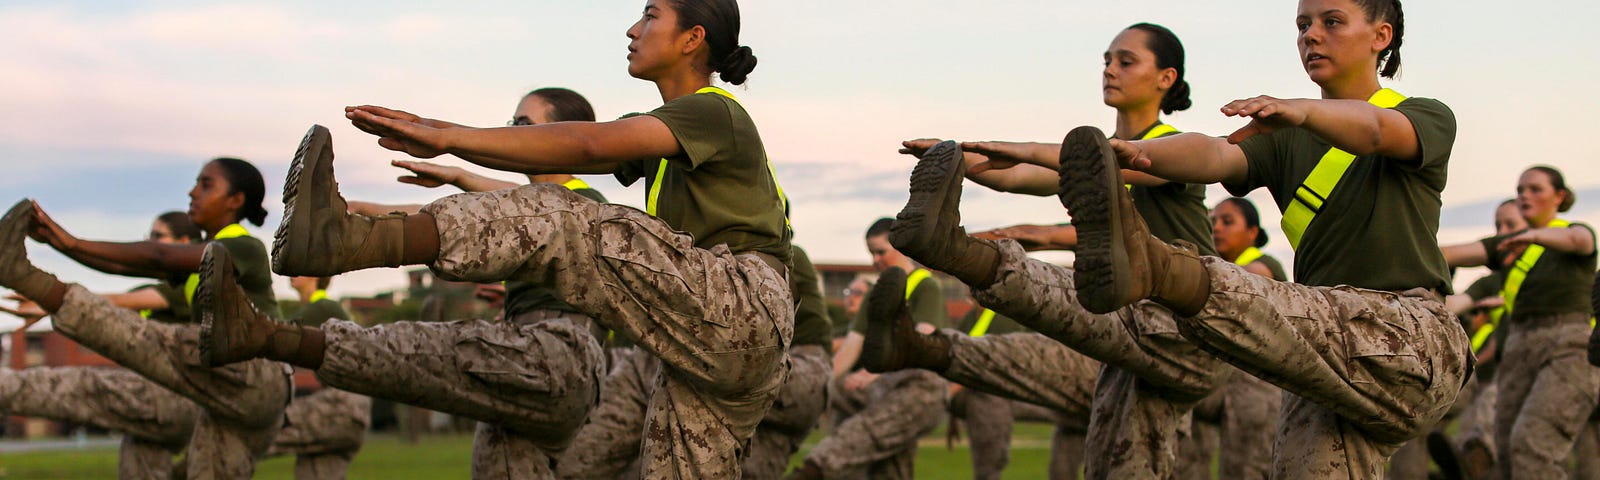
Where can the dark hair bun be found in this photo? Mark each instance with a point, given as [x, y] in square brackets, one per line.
[1261, 238]
[1176, 99]
[255, 214]
[736, 67]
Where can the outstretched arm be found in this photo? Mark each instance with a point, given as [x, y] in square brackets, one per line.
[1470, 254]
[1574, 240]
[141, 259]
[433, 175]
[562, 147]
[1185, 157]
[1354, 126]
[1034, 238]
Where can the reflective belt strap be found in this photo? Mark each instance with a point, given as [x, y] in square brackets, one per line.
[1519, 270]
[915, 279]
[982, 327]
[1155, 132]
[576, 184]
[1249, 256]
[230, 231]
[1317, 186]
[653, 199]
[317, 296]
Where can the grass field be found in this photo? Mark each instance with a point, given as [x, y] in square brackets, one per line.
[447, 457]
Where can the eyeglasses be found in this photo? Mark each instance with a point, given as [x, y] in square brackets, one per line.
[852, 291]
[520, 121]
[158, 236]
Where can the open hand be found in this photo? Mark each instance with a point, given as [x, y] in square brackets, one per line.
[430, 175]
[46, 230]
[859, 379]
[997, 155]
[1266, 115]
[401, 131]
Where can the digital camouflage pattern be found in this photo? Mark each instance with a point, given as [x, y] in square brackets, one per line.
[1547, 391]
[538, 381]
[876, 428]
[720, 322]
[1152, 377]
[323, 430]
[241, 404]
[155, 423]
[1367, 370]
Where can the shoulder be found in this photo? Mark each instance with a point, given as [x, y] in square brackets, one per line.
[694, 105]
[1422, 110]
[591, 194]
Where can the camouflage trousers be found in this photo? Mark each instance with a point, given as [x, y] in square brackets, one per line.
[1367, 370]
[1236, 424]
[1547, 392]
[1152, 377]
[1475, 435]
[876, 427]
[533, 384]
[608, 446]
[241, 404]
[719, 322]
[989, 420]
[1033, 372]
[323, 430]
[155, 423]
[1586, 453]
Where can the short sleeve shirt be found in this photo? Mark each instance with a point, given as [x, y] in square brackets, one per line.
[1558, 283]
[1175, 211]
[316, 313]
[812, 326]
[1378, 229]
[720, 189]
[1275, 266]
[177, 310]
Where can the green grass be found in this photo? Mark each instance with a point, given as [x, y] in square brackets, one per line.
[448, 456]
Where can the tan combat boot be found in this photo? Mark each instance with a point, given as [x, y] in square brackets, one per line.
[16, 272]
[1118, 261]
[318, 237]
[929, 228]
[232, 330]
[892, 342]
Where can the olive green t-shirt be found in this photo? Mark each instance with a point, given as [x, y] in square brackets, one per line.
[1378, 229]
[316, 313]
[926, 305]
[1001, 324]
[720, 189]
[1488, 286]
[177, 310]
[1275, 266]
[1175, 211]
[254, 272]
[1559, 283]
[524, 297]
[811, 323]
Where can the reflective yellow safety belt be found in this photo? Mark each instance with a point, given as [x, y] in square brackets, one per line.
[915, 279]
[317, 296]
[230, 231]
[576, 184]
[653, 199]
[1316, 188]
[982, 327]
[1155, 132]
[1249, 256]
[1519, 271]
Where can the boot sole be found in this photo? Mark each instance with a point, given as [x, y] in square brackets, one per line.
[215, 274]
[936, 174]
[1090, 180]
[291, 253]
[886, 303]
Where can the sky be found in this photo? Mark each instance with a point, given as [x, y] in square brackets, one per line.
[110, 108]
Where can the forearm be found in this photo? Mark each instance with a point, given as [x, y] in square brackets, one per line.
[1575, 241]
[1194, 158]
[1360, 128]
[142, 299]
[1465, 255]
[1022, 179]
[138, 256]
[1458, 304]
[550, 148]
[472, 182]
[1063, 237]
